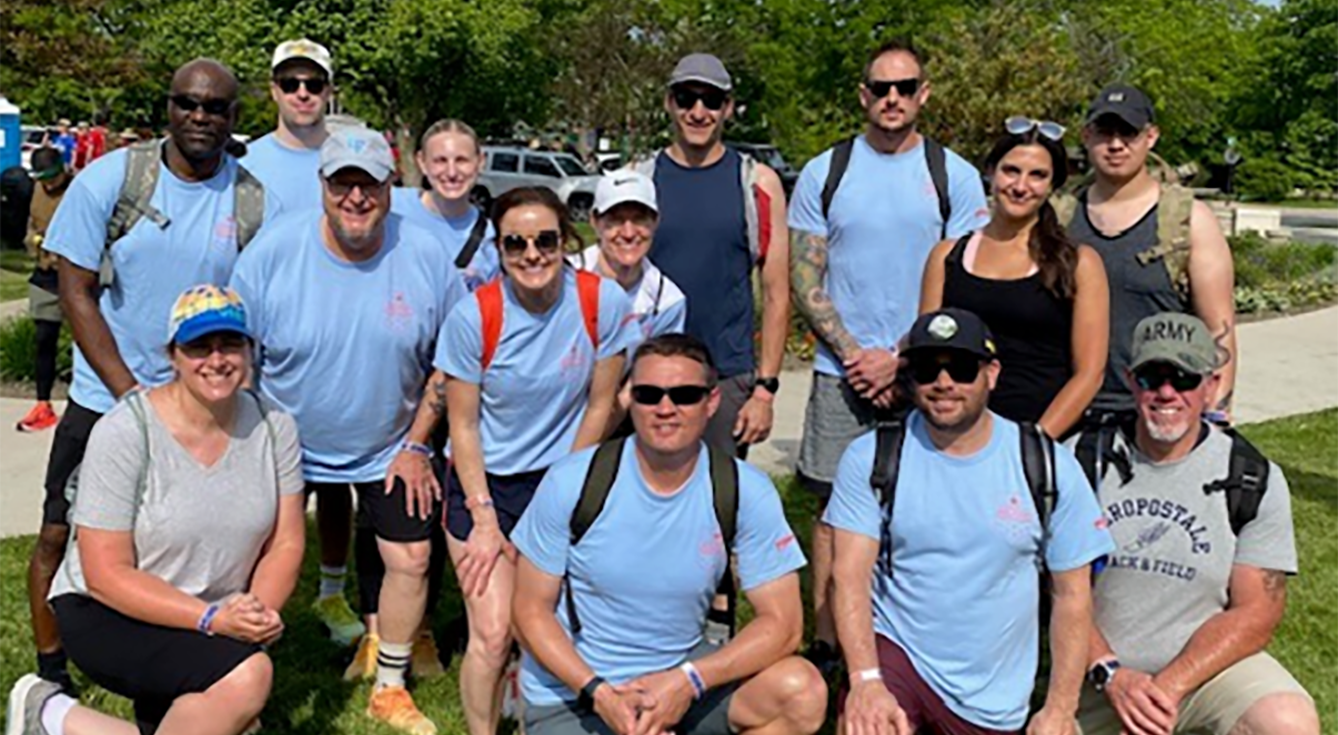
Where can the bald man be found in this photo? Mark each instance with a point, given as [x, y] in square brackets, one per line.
[117, 289]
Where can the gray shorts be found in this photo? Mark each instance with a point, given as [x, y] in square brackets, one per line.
[734, 392]
[43, 305]
[836, 414]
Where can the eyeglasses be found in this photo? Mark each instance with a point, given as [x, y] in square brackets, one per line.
[546, 242]
[227, 343]
[879, 88]
[289, 85]
[679, 395]
[961, 367]
[1153, 377]
[340, 189]
[712, 99]
[188, 104]
[1021, 125]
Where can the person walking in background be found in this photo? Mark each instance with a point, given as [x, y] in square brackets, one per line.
[44, 285]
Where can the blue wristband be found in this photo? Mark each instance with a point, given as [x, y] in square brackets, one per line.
[207, 619]
[416, 448]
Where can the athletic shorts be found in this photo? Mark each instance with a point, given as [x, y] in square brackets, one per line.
[149, 664]
[835, 416]
[386, 514]
[62, 466]
[707, 716]
[511, 495]
[923, 707]
[734, 392]
[1213, 708]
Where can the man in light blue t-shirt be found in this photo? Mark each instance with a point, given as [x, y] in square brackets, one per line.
[858, 244]
[937, 598]
[287, 160]
[612, 623]
[346, 305]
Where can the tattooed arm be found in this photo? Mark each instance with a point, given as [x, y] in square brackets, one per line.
[808, 269]
[1212, 279]
[431, 409]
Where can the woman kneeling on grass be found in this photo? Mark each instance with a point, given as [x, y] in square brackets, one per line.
[188, 540]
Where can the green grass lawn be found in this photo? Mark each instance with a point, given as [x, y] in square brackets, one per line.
[15, 267]
[310, 698]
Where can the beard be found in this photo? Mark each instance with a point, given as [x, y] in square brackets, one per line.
[1168, 434]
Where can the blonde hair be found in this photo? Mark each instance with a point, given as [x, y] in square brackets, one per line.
[449, 125]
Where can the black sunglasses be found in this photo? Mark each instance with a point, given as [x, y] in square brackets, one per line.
[1154, 376]
[679, 395]
[188, 104]
[961, 367]
[880, 87]
[228, 343]
[712, 99]
[546, 242]
[289, 85]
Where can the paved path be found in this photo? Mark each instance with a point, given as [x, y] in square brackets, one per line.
[1289, 366]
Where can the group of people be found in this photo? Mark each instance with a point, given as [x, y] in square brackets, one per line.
[568, 427]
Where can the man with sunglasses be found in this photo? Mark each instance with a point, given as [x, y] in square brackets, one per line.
[287, 159]
[346, 303]
[638, 661]
[1186, 605]
[937, 598]
[860, 232]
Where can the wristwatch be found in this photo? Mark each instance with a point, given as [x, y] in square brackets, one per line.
[1101, 673]
[586, 698]
[770, 385]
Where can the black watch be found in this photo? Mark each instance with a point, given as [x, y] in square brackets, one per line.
[586, 698]
[1101, 674]
[771, 385]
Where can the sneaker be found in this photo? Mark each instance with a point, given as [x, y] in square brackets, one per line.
[394, 706]
[425, 661]
[40, 418]
[24, 715]
[339, 618]
[363, 665]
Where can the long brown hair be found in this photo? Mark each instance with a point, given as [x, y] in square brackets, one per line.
[1055, 255]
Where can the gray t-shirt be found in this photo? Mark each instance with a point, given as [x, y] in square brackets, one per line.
[199, 529]
[1175, 550]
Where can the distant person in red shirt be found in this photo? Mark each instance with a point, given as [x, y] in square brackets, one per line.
[89, 144]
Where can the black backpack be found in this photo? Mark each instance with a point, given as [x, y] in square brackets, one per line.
[599, 481]
[935, 157]
[476, 234]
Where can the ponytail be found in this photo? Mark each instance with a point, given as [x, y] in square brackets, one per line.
[1055, 255]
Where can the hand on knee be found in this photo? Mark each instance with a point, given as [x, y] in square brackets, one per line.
[1286, 713]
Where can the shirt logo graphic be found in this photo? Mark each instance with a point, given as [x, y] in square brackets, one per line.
[1147, 537]
[399, 314]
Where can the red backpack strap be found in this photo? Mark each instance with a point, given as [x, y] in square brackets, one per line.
[489, 297]
[587, 287]
[763, 222]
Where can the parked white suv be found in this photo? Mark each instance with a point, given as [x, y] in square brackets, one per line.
[507, 168]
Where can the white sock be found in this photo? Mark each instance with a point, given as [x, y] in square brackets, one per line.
[392, 660]
[332, 581]
[54, 710]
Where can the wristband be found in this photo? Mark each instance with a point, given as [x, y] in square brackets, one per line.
[694, 678]
[207, 620]
[478, 501]
[860, 677]
[586, 697]
[416, 448]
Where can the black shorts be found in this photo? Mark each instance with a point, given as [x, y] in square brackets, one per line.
[511, 495]
[385, 514]
[67, 453]
[149, 664]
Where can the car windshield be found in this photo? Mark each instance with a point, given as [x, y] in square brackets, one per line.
[570, 166]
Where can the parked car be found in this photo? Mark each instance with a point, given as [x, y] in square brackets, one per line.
[32, 137]
[609, 161]
[771, 156]
[507, 168]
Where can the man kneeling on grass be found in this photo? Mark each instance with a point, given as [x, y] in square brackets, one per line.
[620, 554]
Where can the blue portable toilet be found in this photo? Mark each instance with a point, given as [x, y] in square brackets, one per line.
[11, 137]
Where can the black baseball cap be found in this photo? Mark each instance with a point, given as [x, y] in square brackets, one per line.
[1125, 102]
[951, 329]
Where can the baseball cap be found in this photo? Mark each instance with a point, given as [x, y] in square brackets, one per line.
[703, 68]
[1125, 102]
[951, 329]
[619, 187]
[303, 48]
[357, 147]
[205, 309]
[1182, 340]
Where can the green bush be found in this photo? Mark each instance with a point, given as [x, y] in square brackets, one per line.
[18, 350]
[1264, 179]
[1260, 263]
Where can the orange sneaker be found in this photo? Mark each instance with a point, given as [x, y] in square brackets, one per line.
[363, 665]
[40, 418]
[394, 706]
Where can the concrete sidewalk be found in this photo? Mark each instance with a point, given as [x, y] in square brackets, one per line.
[1288, 366]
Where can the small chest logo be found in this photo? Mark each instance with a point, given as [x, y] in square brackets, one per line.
[399, 314]
[225, 233]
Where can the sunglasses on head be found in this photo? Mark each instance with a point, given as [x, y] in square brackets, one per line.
[1021, 125]
[880, 88]
[1153, 377]
[289, 85]
[961, 367]
[679, 395]
[215, 107]
[712, 99]
[546, 242]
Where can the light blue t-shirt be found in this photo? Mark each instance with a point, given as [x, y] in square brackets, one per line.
[346, 348]
[452, 232]
[153, 264]
[963, 597]
[292, 174]
[883, 222]
[644, 573]
[534, 393]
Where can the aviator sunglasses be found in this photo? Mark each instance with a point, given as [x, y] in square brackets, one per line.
[189, 104]
[289, 85]
[961, 367]
[546, 242]
[1021, 125]
[679, 395]
[879, 88]
[686, 99]
[1153, 377]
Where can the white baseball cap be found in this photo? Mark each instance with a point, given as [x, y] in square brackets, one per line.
[619, 187]
[303, 48]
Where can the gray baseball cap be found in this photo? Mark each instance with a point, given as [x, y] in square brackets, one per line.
[703, 68]
[360, 148]
[1179, 339]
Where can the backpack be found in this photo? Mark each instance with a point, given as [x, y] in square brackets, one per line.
[599, 481]
[936, 158]
[491, 310]
[756, 209]
[141, 178]
[471, 247]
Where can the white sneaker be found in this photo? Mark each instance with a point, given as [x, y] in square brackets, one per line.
[24, 715]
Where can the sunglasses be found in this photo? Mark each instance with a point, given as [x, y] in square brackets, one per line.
[188, 104]
[340, 189]
[961, 367]
[712, 99]
[1153, 377]
[289, 85]
[879, 88]
[228, 343]
[679, 395]
[1020, 125]
[546, 242]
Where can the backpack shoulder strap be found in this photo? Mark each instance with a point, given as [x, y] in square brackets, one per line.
[1245, 483]
[1038, 465]
[888, 440]
[136, 400]
[725, 490]
[132, 203]
[1174, 209]
[587, 288]
[471, 247]
[489, 296]
[836, 169]
[1066, 206]
[937, 159]
[599, 481]
[248, 209]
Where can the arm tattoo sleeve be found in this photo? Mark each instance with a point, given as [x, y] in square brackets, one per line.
[1224, 358]
[808, 266]
[437, 400]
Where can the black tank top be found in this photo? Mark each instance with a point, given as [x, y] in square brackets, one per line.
[1032, 329]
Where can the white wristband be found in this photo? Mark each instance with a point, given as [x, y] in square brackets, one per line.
[867, 675]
